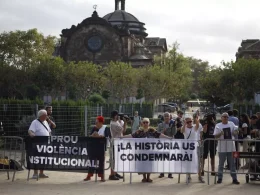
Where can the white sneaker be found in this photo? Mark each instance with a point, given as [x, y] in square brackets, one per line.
[35, 176]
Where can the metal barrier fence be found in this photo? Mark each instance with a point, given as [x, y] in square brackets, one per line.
[233, 157]
[70, 120]
[12, 154]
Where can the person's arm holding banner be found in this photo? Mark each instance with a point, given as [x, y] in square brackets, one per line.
[127, 136]
[164, 136]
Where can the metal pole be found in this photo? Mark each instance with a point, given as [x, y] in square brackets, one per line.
[86, 120]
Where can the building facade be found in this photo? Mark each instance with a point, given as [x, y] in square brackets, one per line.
[249, 48]
[118, 36]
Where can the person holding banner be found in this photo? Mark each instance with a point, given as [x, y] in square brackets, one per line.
[167, 127]
[100, 130]
[117, 129]
[146, 132]
[40, 127]
[191, 130]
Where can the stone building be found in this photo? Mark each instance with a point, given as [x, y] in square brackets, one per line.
[249, 48]
[118, 36]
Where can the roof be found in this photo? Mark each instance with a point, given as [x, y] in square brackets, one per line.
[249, 45]
[121, 19]
[155, 41]
[120, 15]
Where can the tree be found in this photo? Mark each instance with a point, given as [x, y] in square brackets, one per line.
[83, 79]
[20, 51]
[49, 75]
[22, 48]
[97, 99]
[198, 69]
[152, 80]
[232, 81]
[120, 80]
[177, 74]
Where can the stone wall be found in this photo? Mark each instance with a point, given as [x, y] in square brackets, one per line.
[76, 49]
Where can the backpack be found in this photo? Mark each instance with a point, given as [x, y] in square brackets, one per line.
[13, 165]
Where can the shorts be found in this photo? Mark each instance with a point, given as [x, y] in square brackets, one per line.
[210, 147]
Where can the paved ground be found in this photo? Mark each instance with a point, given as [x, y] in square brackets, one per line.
[63, 183]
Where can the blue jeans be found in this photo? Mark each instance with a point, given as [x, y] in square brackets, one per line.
[222, 158]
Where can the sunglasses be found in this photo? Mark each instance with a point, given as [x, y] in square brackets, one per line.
[225, 116]
[188, 122]
[145, 122]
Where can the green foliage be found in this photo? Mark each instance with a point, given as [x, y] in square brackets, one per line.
[20, 51]
[232, 82]
[97, 99]
[194, 96]
[22, 48]
[140, 93]
[120, 80]
[83, 78]
[174, 78]
[105, 94]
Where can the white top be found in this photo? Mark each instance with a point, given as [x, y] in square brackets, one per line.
[101, 131]
[244, 125]
[38, 129]
[229, 128]
[191, 133]
[121, 122]
[199, 131]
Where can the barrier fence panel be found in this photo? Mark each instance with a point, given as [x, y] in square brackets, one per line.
[244, 161]
[11, 154]
[142, 155]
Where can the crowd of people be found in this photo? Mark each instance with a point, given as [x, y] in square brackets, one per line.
[225, 137]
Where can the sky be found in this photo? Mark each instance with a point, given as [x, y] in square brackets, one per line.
[211, 30]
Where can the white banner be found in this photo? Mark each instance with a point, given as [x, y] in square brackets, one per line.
[142, 155]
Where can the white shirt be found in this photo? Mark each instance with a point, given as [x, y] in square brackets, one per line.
[229, 128]
[121, 122]
[101, 131]
[191, 133]
[38, 129]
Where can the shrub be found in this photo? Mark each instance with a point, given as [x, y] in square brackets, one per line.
[96, 99]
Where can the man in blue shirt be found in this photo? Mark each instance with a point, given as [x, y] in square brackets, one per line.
[232, 118]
